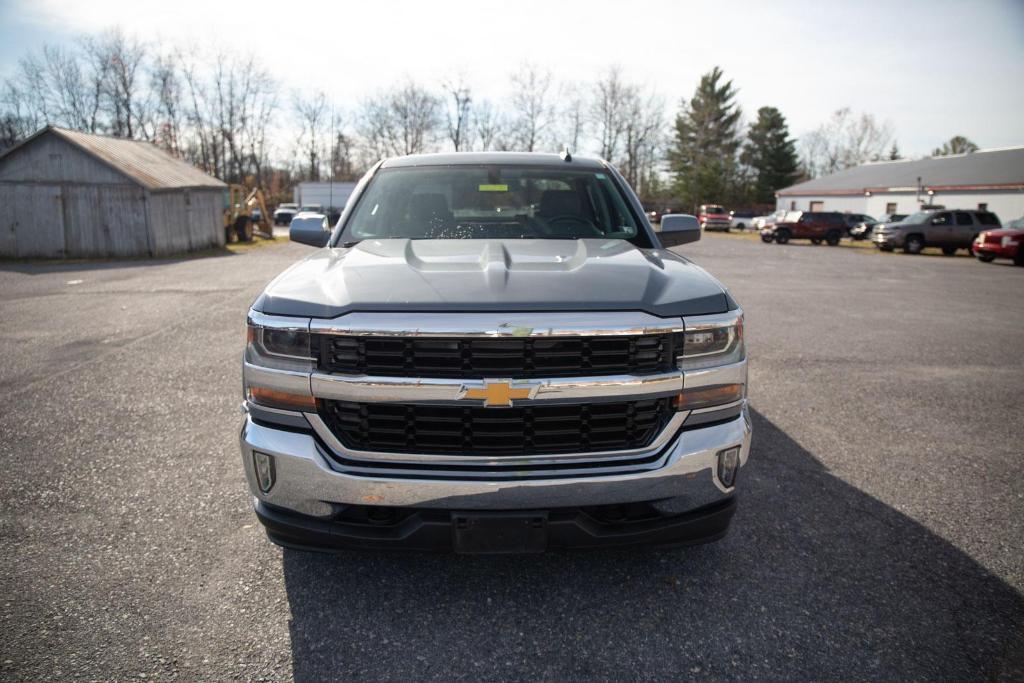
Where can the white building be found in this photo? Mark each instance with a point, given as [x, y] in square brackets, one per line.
[988, 179]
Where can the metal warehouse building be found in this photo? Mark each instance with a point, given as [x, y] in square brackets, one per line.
[987, 179]
[71, 194]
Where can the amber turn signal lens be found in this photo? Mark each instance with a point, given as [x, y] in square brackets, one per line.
[272, 398]
[705, 397]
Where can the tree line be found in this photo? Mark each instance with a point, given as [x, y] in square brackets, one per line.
[227, 114]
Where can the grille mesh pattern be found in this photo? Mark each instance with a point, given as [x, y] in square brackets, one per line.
[519, 357]
[471, 430]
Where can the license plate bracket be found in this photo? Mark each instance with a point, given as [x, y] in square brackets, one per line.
[486, 533]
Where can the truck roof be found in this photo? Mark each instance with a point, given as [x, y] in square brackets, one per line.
[488, 158]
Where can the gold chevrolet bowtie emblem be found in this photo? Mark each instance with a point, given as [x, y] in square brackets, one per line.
[498, 393]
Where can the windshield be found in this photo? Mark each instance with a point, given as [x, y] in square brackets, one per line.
[711, 208]
[917, 218]
[483, 202]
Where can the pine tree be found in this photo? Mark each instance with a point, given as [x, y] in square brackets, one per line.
[703, 154]
[771, 155]
[894, 153]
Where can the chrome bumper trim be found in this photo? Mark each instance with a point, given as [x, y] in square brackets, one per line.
[363, 389]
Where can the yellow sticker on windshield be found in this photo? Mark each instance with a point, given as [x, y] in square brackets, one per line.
[494, 188]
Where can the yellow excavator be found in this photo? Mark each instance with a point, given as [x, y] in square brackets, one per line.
[245, 215]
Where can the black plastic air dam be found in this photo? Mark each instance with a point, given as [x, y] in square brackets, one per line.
[434, 530]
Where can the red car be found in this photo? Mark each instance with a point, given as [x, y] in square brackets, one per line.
[1002, 243]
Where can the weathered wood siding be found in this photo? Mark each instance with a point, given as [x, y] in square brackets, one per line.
[105, 220]
[33, 221]
[186, 220]
[54, 221]
[49, 159]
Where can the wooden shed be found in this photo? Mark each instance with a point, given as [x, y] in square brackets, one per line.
[70, 194]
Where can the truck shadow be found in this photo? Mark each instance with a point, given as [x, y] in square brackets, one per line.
[816, 580]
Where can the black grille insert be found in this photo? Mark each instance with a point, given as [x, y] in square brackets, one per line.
[519, 357]
[476, 430]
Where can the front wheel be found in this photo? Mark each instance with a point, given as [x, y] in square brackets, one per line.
[913, 244]
[782, 237]
[986, 258]
[741, 226]
[832, 239]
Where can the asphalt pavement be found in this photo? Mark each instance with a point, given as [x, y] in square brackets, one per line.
[879, 535]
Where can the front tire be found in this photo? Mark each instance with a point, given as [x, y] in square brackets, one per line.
[913, 244]
[988, 258]
[832, 239]
[782, 237]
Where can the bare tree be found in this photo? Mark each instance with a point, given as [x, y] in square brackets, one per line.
[404, 120]
[643, 136]
[124, 58]
[489, 126]
[845, 140]
[531, 111]
[313, 114]
[166, 86]
[608, 111]
[459, 101]
[573, 116]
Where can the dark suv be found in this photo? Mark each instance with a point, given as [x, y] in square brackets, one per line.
[947, 230]
[816, 226]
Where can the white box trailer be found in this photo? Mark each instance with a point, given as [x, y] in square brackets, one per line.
[330, 196]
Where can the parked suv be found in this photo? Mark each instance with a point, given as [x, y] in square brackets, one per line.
[494, 352]
[948, 230]
[816, 226]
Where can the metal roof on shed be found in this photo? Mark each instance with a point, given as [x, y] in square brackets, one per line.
[143, 162]
[981, 170]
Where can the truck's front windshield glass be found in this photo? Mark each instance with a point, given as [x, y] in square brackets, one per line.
[484, 202]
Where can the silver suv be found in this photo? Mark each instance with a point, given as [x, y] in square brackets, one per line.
[494, 353]
[941, 228]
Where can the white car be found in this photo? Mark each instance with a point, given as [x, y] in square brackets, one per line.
[769, 219]
[741, 220]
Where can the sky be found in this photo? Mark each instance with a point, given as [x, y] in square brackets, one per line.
[930, 69]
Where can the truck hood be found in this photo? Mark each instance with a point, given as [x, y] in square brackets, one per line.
[493, 275]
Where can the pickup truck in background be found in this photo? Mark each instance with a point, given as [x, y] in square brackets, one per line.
[713, 217]
[494, 352]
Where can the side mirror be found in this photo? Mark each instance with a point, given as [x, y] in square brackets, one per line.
[678, 228]
[312, 231]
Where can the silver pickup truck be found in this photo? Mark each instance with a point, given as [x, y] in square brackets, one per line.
[494, 353]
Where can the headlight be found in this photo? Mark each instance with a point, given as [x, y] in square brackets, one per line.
[278, 343]
[278, 349]
[715, 340]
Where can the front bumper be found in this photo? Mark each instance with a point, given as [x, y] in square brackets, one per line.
[310, 492]
[890, 239]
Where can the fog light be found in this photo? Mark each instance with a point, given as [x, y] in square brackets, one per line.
[264, 470]
[728, 464]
